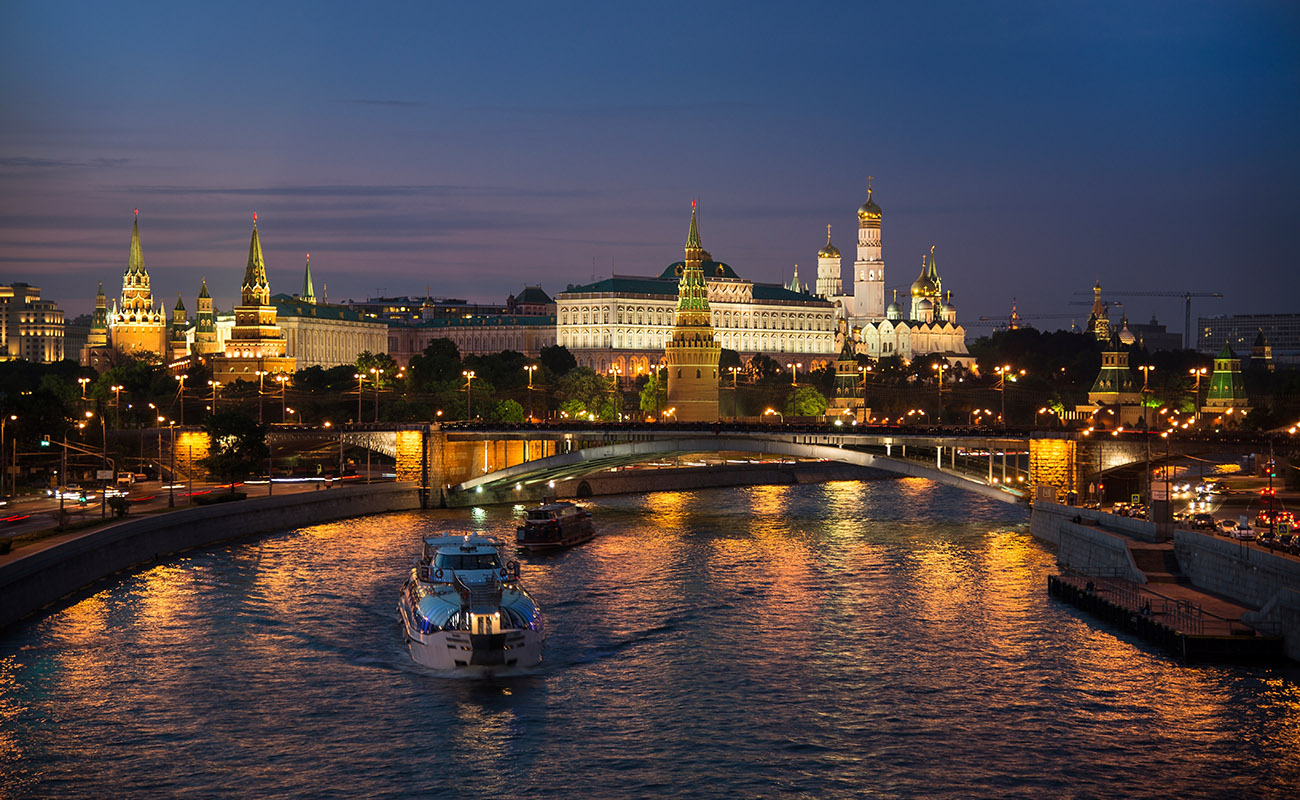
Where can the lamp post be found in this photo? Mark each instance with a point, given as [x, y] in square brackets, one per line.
[770, 411]
[735, 393]
[1146, 369]
[3, 420]
[360, 380]
[617, 399]
[103, 430]
[261, 373]
[117, 405]
[940, 367]
[283, 380]
[1196, 391]
[215, 385]
[469, 393]
[181, 380]
[83, 382]
[1003, 372]
[376, 374]
[794, 374]
[658, 367]
[530, 369]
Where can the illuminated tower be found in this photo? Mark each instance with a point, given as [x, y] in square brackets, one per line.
[828, 269]
[1098, 321]
[180, 348]
[869, 269]
[99, 321]
[256, 343]
[692, 351]
[136, 325]
[205, 324]
[308, 291]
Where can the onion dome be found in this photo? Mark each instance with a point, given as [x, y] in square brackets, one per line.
[894, 310]
[830, 250]
[869, 210]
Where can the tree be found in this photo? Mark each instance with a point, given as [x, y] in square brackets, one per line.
[237, 446]
[726, 359]
[439, 362]
[383, 364]
[807, 402]
[508, 411]
[557, 359]
[764, 368]
[654, 394]
[584, 385]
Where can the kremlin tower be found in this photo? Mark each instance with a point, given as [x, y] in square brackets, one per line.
[256, 343]
[692, 352]
[135, 324]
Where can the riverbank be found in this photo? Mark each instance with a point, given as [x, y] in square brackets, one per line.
[1255, 593]
[39, 574]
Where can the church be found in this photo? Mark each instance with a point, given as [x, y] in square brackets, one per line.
[926, 325]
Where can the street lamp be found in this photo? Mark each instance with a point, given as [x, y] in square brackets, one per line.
[770, 411]
[735, 385]
[181, 379]
[117, 405]
[283, 380]
[215, 386]
[360, 380]
[530, 369]
[940, 367]
[3, 420]
[83, 382]
[1146, 369]
[261, 373]
[469, 393]
[377, 373]
[794, 374]
[1003, 372]
[1196, 391]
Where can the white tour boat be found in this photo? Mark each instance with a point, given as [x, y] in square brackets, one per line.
[463, 607]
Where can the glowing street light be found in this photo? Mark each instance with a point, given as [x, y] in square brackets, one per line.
[794, 374]
[530, 369]
[770, 411]
[83, 382]
[469, 393]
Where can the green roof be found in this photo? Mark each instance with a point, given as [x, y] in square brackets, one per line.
[712, 269]
[290, 306]
[484, 321]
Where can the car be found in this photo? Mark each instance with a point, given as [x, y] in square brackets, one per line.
[1243, 532]
[1227, 525]
[1203, 522]
[113, 491]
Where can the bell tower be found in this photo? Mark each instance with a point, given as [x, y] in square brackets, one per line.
[869, 269]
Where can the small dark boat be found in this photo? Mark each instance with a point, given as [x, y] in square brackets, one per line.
[552, 526]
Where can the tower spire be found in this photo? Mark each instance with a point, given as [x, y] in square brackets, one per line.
[693, 235]
[308, 291]
[255, 290]
[135, 260]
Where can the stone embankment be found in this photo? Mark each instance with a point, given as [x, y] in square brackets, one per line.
[35, 576]
[1235, 580]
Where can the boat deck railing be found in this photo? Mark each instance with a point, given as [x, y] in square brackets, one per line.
[482, 596]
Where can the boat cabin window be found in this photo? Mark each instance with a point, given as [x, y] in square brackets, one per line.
[470, 561]
[541, 515]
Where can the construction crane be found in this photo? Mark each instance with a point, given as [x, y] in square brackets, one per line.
[1187, 299]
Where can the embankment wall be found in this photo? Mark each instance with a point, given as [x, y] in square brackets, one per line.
[29, 582]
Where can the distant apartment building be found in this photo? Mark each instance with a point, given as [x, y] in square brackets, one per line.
[30, 328]
[1240, 331]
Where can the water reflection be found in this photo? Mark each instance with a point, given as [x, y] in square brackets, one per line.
[802, 640]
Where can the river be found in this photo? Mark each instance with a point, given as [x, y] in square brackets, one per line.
[883, 639]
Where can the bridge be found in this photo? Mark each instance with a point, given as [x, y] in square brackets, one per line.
[470, 463]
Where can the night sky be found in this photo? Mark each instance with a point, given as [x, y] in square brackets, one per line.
[478, 147]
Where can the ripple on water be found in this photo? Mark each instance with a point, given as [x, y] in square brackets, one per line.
[883, 639]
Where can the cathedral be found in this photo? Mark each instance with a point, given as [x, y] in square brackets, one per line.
[926, 325]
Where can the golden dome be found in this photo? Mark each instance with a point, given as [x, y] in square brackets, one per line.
[830, 250]
[869, 210]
